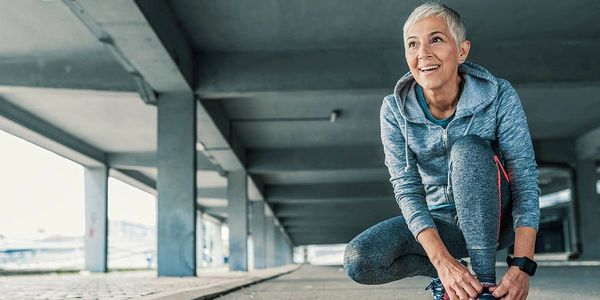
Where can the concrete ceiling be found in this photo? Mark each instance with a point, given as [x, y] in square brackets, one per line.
[268, 74]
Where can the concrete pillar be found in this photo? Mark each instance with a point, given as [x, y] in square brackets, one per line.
[285, 249]
[275, 245]
[258, 231]
[566, 234]
[588, 209]
[237, 219]
[572, 219]
[199, 241]
[96, 218]
[176, 185]
[290, 254]
[305, 254]
[279, 247]
[217, 253]
[270, 241]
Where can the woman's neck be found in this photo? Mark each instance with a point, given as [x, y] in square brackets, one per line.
[442, 102]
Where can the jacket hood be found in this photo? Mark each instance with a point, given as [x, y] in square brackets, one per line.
[480, 89]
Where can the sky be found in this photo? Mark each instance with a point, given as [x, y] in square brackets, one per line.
[41, 191]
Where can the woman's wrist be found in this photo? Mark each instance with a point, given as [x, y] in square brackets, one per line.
[442, 258]
[434, 247]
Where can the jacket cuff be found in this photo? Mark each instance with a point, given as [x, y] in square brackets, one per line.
[526, 221]
[420, 222]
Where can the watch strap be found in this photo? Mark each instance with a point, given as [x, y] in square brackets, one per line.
[524, 263]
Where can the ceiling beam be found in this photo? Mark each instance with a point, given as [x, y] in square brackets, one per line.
[217, 211]
[212, 192]
[350, 210]
[227, 75]
[29, 127]
[147, 160]
[313, 221]
[361, 192]
[95, 70]
[145, 37]
[322, 239]
[135, 179]
[315, 159]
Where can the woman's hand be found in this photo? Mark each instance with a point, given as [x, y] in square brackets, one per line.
[513, 286]
[457, 280]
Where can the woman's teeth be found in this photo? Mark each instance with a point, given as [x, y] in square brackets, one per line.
[429, 68]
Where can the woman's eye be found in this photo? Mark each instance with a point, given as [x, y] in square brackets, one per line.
[436, 39]
[411, 44]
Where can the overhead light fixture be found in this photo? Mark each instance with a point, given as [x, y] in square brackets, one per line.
[334, 115]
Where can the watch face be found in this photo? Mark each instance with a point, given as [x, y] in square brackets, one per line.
[525, 264]
[529, 265]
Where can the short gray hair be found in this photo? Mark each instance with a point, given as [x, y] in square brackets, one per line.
[450, 16]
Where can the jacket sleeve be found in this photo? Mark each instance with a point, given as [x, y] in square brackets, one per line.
[515, 143]
[407, 184]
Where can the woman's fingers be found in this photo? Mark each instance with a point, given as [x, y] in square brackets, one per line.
[500, 290]
[461, 293]
[463, 288]
[470, 290]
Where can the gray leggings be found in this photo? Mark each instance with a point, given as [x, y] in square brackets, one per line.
[388, 251]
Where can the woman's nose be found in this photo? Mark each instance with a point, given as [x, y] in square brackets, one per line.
[424, 51]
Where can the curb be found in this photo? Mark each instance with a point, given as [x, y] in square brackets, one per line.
[215, 290]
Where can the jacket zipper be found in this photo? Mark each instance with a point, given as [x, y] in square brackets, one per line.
[446, 151]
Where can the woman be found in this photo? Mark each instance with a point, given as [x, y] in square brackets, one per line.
[462, 166]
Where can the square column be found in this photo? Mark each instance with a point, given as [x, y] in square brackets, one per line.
[278, 245]
[96, 218]
[176, 185]
[588, 209]
[258, 231]
[217, 251]
[200, 234]
[270, 241]
[237, 219]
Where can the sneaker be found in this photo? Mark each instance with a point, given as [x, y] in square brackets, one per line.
[437, 289]
[486, 294]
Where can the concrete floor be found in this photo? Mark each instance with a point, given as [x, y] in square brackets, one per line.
[329, 282]
[130, 285]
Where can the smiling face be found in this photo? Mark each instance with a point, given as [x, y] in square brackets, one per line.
[432, 54]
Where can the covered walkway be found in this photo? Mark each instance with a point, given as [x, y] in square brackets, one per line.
[264, 115]
[292, 282]
[330, 282]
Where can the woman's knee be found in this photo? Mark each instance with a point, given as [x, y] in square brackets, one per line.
[471, 152]
[469, 146]
[357, 263]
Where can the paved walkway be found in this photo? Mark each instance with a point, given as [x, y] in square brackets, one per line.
[308, 282]
[129, 285]
[311, 282]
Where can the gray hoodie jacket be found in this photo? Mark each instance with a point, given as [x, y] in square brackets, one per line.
[417, 151]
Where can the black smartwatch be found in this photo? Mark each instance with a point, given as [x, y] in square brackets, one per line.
[524, 263]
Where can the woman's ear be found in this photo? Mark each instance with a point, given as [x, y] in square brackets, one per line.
[463, 51]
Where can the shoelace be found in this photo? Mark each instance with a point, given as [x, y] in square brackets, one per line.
[486, 294]
[437, 289]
